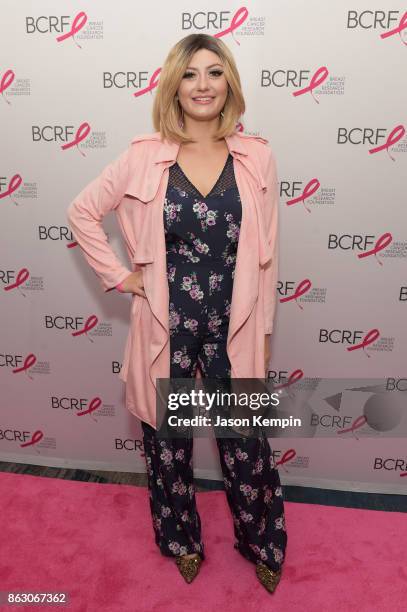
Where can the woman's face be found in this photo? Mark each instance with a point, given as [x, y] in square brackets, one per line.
[203, 78]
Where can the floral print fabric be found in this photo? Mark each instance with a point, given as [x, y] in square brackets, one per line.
[253, 492]
[202, 235]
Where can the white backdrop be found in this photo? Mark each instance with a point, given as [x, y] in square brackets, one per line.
[325, 83]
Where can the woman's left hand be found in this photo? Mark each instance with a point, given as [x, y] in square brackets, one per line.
[266, 353]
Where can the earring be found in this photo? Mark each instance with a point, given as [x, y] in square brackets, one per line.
[222, 114]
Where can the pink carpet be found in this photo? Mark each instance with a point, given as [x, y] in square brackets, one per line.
[95, 541]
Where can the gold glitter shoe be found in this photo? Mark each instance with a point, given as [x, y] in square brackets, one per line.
[188, 567]
[267, 577]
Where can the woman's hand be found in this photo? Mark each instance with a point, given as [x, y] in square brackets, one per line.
[266, 353]
[134, 283]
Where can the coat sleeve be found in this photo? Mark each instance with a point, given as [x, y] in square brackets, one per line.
[271, 215]
[85, 214]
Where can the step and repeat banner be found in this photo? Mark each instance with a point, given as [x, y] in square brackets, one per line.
[325, 83]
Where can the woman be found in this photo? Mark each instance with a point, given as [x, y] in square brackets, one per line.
[197, 204]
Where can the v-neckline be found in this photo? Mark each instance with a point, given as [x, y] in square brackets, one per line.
[215, 185]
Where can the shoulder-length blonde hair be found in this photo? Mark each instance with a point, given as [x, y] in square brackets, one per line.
[166, 109]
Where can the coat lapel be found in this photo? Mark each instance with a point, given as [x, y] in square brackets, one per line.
[147, 167]
[236, 145]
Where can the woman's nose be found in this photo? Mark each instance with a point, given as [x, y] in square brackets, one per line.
[202, 82]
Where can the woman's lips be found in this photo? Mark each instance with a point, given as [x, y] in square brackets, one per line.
[203, 100]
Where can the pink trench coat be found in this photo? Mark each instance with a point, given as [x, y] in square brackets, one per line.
[134, 186]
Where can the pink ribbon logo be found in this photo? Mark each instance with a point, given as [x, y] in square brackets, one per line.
[152, 84]
[94, 405]
[310, 188]
[81, 133]
[89, 324]
[369, 338]
[402, 26]
[358, 422]
[302, 288]
[238, 18]
[395, 135]
[381, 243]
[318, 77]
[5, 82]
[13, 185]
[20, 279]
[77, 25]
[71, 245]
[28, 362]
[288, 455]
[294, 376]
[36, 437]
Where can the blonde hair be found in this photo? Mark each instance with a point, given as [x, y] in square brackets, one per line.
[166, 109]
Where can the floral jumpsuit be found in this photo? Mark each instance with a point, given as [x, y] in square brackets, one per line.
[202, 236]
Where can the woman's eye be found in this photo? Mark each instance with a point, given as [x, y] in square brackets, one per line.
[215, 73]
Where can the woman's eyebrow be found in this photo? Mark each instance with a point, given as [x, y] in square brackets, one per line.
[211, 66]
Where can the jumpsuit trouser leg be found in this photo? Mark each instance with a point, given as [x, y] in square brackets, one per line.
[251, 480]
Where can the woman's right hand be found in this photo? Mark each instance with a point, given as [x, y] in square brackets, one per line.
[134, 283]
